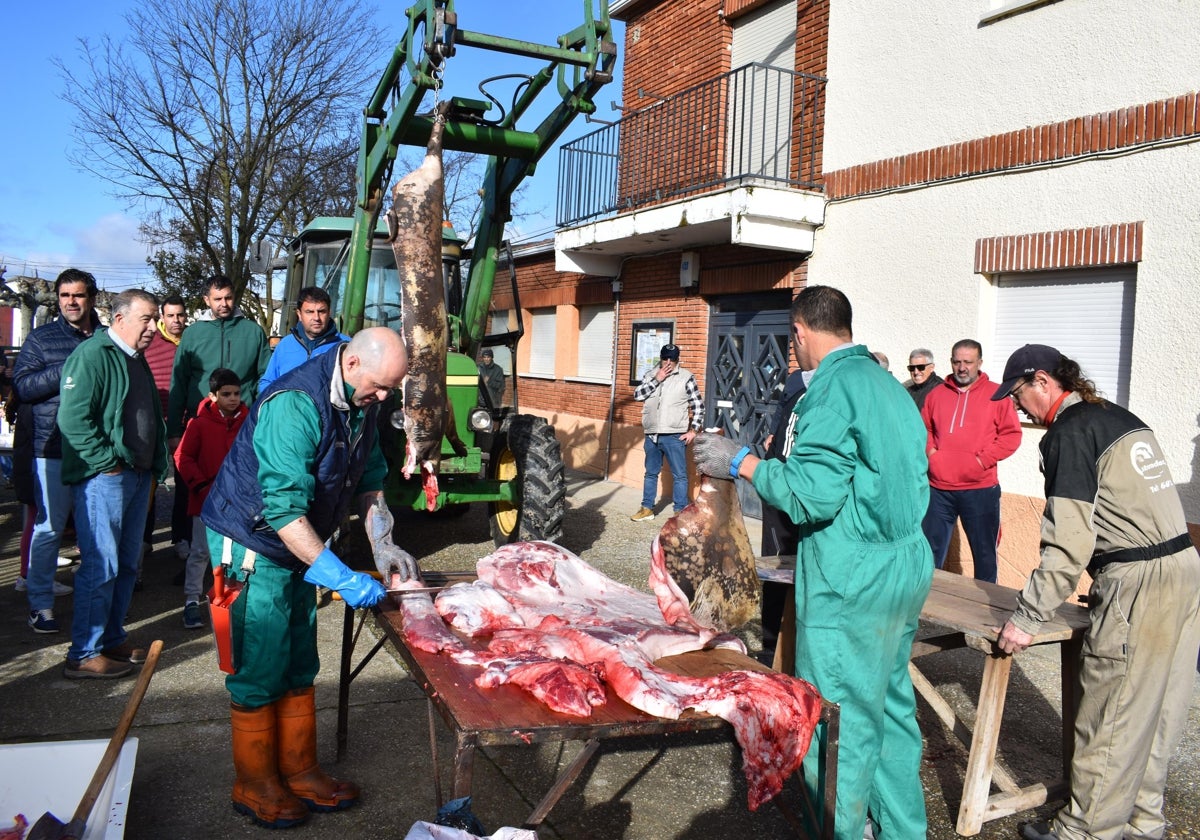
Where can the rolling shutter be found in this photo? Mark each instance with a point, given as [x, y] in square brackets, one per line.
[766, 36]
[1086, 314]
[541, 346]
[595, 342]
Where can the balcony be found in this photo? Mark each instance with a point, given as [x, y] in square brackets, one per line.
[735, 159]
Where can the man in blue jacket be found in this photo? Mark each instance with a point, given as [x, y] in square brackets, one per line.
[855, 482]
[314, 334]
[36, 376]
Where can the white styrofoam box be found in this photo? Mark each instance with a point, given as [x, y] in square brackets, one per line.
[52, 776]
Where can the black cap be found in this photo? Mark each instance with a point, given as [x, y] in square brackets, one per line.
[487, 352]
[670, 351]
[1024, 362]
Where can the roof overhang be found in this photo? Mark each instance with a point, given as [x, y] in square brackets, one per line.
[752, 215]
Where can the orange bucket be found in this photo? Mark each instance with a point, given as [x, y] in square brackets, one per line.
[220, 600]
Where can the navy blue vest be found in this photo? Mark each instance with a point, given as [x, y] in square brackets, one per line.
[234, 506]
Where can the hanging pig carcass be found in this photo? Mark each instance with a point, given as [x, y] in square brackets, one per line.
[415, 233]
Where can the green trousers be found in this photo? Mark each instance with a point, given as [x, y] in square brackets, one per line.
[274, 624]
[1136, 677]
[856, 615]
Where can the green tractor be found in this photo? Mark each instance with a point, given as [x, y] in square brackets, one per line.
[512, 461]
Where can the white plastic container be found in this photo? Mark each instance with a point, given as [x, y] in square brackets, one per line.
[52, 775]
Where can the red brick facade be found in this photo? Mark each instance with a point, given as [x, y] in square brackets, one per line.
[1164, 120]
[1080, 248]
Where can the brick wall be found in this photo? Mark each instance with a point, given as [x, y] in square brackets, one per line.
[1176, 119]
[1079, 248]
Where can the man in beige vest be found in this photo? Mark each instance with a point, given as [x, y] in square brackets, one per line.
[669, 394]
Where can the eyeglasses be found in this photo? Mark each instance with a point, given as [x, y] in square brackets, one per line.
[915, 368]
[1015, 392]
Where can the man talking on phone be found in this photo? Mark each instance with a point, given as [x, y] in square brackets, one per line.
[669, 394]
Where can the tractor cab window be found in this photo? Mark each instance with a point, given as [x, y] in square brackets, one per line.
[326, 266]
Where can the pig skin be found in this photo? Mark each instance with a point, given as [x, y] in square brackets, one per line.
[706, 552]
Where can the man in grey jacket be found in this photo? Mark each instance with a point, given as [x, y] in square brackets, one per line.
[670, 393]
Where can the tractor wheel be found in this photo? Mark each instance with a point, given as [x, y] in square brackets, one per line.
[528, 453]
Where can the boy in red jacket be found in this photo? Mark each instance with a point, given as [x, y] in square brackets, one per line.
[205, 443]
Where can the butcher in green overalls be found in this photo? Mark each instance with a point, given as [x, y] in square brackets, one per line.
[855, 484]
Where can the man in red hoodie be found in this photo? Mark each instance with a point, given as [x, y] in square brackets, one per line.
[968, 435]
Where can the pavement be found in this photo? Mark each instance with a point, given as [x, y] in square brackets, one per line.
[686, 787]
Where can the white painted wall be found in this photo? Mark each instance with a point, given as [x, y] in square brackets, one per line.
[906, 75]
[906, 261]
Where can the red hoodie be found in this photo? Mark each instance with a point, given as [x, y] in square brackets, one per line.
[968, 434]
[205, 443]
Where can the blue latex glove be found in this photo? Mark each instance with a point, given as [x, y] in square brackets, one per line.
[356, 588]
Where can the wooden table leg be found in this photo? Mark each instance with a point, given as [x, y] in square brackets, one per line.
[464, 764]
[785, 641]
[978, 780]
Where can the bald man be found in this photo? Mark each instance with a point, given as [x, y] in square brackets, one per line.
[308, 448]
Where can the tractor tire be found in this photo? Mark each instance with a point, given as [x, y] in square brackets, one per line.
[528, 453]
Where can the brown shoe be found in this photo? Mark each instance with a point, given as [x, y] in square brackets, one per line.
[96, 668]
[125, 652]
[642, 515]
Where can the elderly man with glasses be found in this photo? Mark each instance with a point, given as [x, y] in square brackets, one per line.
[922, 378]
[1111, 508]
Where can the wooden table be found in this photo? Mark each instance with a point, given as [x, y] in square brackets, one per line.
[970, 609]
[508, 716]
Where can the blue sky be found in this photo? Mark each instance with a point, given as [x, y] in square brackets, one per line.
[53, 215]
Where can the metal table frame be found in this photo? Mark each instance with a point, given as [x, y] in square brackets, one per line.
[526, 721]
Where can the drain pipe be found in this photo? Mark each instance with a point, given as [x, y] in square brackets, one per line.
[612, 392]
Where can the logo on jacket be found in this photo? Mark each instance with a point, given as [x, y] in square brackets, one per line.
[1148, 465]
[69, 383]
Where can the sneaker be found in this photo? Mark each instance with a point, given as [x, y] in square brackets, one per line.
[96, 668]
[642, 515]
[59, 588]
[191, 616]
[42, 621]
[125, 652]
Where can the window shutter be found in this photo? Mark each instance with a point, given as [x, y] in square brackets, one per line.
[541, 346]
[1086, 314]
[767, 35]
[595, 342]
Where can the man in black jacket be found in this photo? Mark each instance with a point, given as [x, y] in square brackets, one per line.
[36, 378]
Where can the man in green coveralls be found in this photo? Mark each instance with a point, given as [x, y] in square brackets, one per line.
[856, 484]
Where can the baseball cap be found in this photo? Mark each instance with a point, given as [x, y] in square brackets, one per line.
[1026, 361]
[488, 353]
[670, 351]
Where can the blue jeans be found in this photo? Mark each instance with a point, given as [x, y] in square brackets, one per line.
[674, 450]
[110, 513]
[980, 514]
[53, 500]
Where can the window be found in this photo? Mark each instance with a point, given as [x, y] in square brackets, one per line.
[501, 322]
[595, 343]
[1087, 314]
[541, 345]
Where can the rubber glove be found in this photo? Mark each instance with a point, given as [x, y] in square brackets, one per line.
[390, 559]
[713, 454]
[357, 589]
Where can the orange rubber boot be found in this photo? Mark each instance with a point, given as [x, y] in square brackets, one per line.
[296, 723]
[258, 791]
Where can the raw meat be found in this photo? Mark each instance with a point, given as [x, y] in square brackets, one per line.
[706, 552]
[568, 631]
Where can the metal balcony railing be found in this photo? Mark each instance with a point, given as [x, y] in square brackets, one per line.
[756, 124]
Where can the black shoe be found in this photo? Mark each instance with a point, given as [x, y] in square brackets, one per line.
[1037, 831]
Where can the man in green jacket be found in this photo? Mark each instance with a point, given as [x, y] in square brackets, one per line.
[225, 340]
[855, 482]
[114, 449]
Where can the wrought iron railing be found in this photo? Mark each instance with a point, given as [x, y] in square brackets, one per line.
[756, 124]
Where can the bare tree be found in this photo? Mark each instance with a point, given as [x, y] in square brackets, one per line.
[222, 111]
